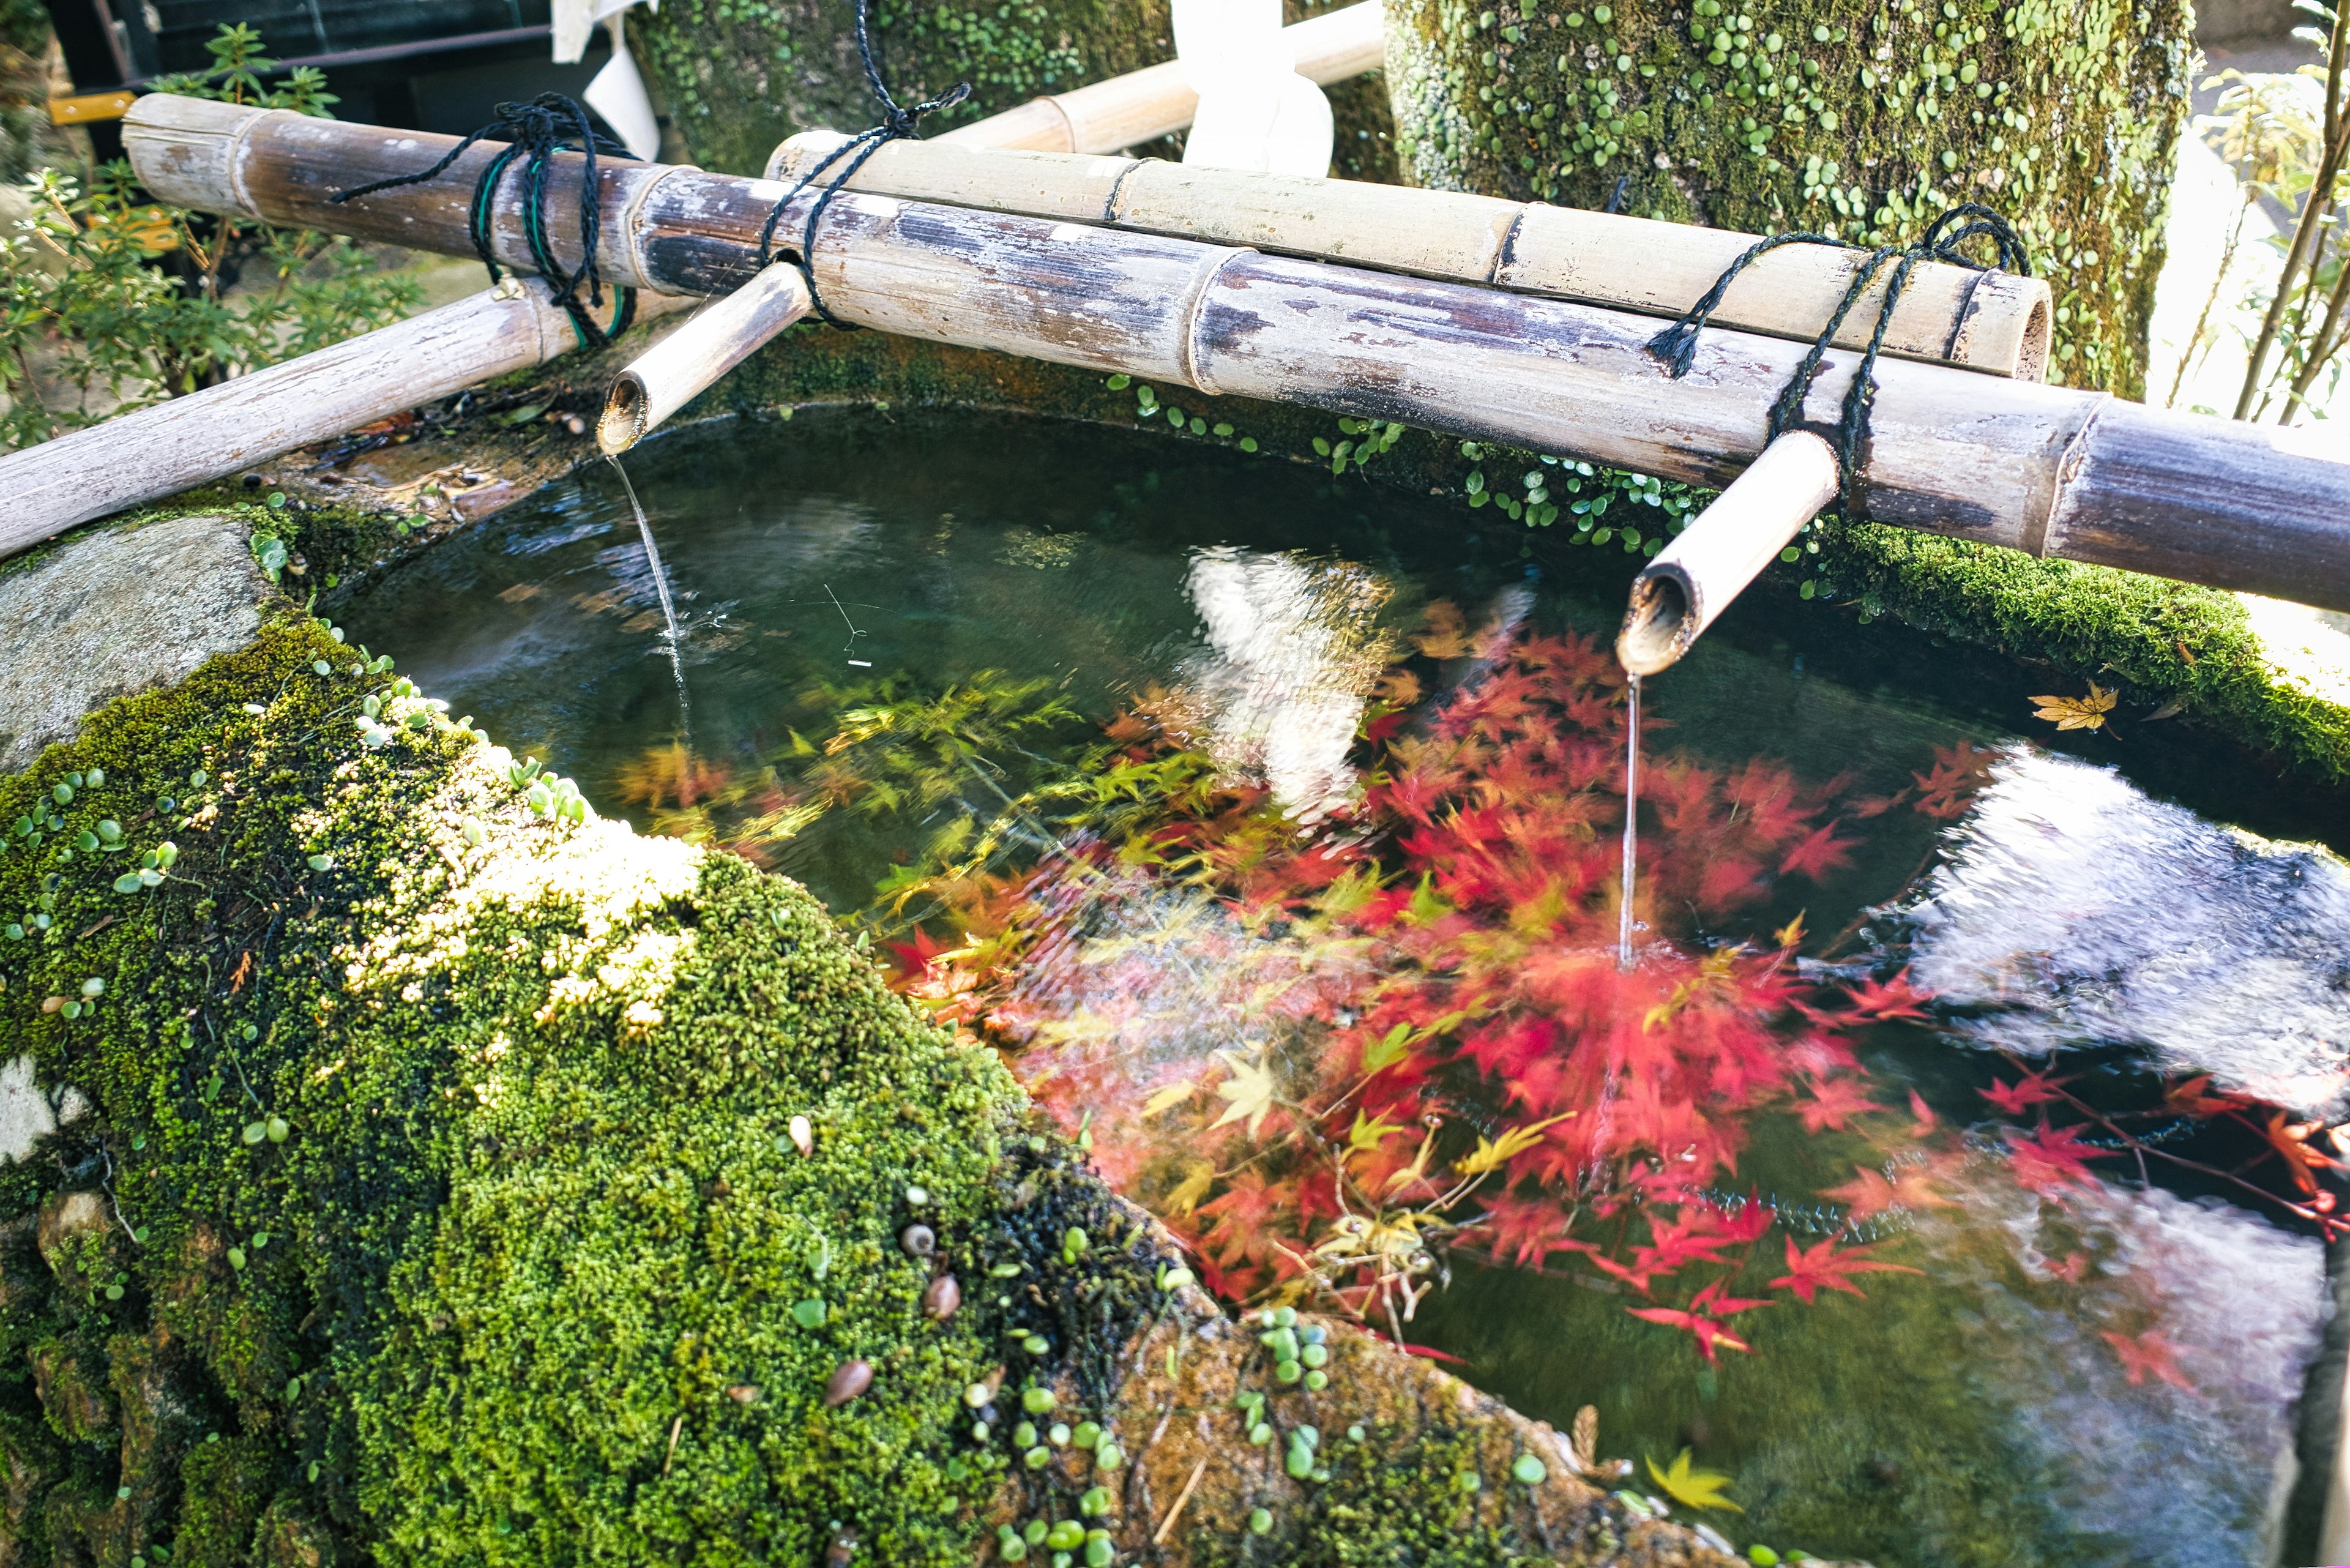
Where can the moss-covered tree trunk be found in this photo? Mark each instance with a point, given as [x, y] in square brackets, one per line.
[1862, 118]
[738, 76]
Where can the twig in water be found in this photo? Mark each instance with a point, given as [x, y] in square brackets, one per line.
[1167, 1523]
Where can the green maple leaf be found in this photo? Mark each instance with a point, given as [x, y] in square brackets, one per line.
[1250, 1090]
[1388, 1050]
[1692, 1488]
[1364, 1136]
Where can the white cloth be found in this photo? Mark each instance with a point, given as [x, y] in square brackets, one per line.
[575, 24]
[1255, 111]
[619, 93]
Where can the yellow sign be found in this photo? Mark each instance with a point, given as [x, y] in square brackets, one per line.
[91, 106]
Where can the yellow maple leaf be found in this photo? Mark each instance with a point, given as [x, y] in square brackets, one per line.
[1249, 1090]
[1692, 1488]
[1445, 633]
[2078, 713]
[1791, 933]
[1198, 1177]
[1173, 1095]
[1508, 1147]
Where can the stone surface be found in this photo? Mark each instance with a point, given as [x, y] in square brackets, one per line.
[111, 613]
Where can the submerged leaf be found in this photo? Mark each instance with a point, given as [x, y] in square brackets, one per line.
[1692, 1488]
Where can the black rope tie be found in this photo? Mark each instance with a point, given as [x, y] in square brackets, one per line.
[897, 121]
[1677, 343]
[533, 132]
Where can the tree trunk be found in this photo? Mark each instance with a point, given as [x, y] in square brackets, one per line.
[737, 79]
[1863, 121]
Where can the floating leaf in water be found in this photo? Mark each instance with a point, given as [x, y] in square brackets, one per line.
[1813, 1269]
[2077, 713]
[2148, 1354]
[1692, 1488]
[1173, 1095]
[1249, 1091]
[1508, 1147]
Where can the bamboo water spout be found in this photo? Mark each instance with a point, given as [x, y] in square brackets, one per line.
[2049, 470]
[722, 335]
[1993, 322]
[1692, 580]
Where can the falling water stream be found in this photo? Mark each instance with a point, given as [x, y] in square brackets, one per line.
[1631, 825]
[661, 587]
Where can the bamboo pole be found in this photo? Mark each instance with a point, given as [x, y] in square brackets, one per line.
[205, 435]
[1692, 580]
[724, 334]
[1993, 322]
[2049, 470]
[1141, 105]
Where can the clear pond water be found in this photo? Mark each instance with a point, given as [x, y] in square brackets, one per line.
[902, 635]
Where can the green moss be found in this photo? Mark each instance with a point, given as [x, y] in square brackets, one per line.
[1861, 120]
[739, 76]
[440, 1195]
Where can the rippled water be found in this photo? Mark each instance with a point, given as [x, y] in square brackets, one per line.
[2102, 1377]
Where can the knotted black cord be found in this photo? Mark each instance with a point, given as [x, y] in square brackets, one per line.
[896, 122]
[536, 132]
[1677, 343]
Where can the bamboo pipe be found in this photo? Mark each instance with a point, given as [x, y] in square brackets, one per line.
[1995, 322]
[726, 332]
[2045, 470]
[1141, 106]
[1692, 580]
[205, 435]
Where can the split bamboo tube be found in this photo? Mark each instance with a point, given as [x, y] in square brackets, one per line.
[1993, 322]
[724, 334]
[1141, 106]
[2045, 470]
[1692, 580]
[216, 431]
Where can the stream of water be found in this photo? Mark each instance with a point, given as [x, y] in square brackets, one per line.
[1251, 784]
[671, 632]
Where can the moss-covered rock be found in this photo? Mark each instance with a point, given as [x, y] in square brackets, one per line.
[440, 1175]
[440, 1199]
[1863, 121]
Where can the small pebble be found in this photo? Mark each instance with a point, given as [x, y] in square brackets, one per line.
[849, 1380]
[743, 1393]
[803, 1135]
[917, 1196]
[918, 1241]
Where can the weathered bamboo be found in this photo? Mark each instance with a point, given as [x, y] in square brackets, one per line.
[1141, 105]
[726, 332]
[1692, 580]
[2049, 470]
[207, 434]
[1995, 322]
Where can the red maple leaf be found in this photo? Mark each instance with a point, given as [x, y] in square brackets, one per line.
[1896, 998]
[1702, 1320]
[1869, 1192]
[2187, 1099]
[1820, 853]
[1831, 1103]
[1813, 1269]
[1923, 1112]
[2148, 1353]
[2051, 1159]
[2032, 1089]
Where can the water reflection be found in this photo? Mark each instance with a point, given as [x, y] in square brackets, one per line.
[2074, 909]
